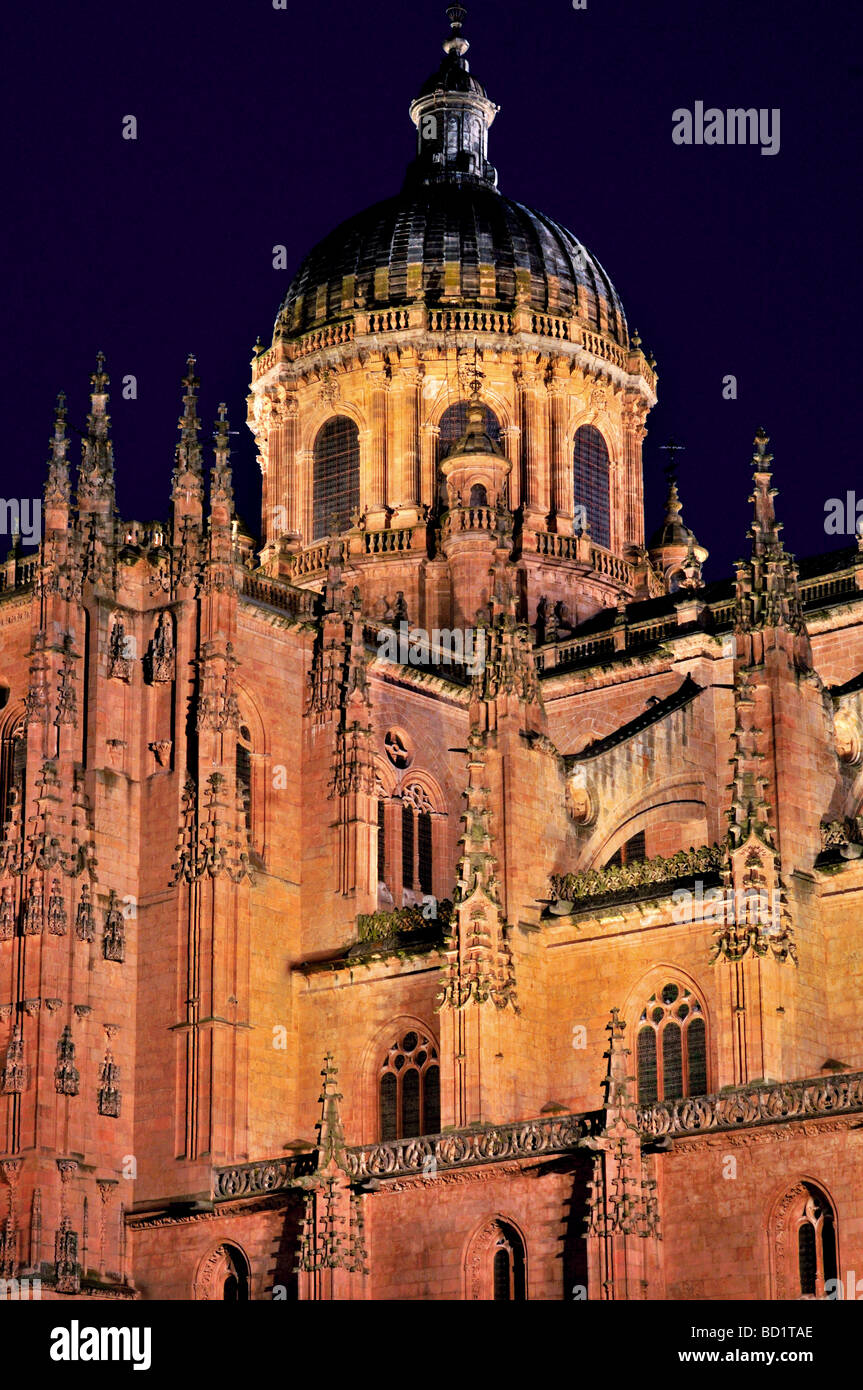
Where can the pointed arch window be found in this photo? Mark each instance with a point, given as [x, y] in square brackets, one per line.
[671, 1046]
[591, 482]
[244, 771]
[496, 1264]
[13, 768]
[336, 476]
[508, 1266]
[803, 1233]
[409, 1088]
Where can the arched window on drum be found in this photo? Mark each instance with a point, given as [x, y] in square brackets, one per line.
[591, 483]
[336, 477]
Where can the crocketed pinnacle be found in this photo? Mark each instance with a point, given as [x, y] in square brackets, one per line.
[57, 487]
[331, 1138]
[221, 479]
[188, 453]
[767, 589]
[97, 462]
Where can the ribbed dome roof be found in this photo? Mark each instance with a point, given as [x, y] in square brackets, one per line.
[438, 227]
[450, 238]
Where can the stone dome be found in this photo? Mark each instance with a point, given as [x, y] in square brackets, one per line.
[435, 242]
[450, 238]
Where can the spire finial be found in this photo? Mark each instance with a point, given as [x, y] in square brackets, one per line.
[761, 460]
[672, 448]
[221, 489]
[188, 456]
[456, 14]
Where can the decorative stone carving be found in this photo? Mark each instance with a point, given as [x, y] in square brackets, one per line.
[161, 751]
[109, 1097]
[647, 873]
[58, 923]
[66, 1074]
[162, 657]
[120, 651]
[34, 909]
[114, 939]
[754, 1105]
[578, 800]
[7, 914]
[85, 922]
[13, 1079]
[848, 741]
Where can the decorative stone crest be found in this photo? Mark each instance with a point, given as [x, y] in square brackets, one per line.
[66, 1075]
[114, 939]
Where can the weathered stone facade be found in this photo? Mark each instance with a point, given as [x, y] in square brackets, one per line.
[568, 908]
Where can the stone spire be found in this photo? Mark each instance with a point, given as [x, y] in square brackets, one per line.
[479, 965]
[767, 592]
[188, 457]
[221, 480]
[331, 1138]
[96, 477]
[452, 115]
[57, 486]
[673, 548]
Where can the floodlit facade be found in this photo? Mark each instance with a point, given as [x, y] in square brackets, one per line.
[458, 897]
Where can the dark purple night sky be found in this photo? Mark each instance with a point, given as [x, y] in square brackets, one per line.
[259, 126]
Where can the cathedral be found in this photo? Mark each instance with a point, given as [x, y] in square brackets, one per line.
[447, 898]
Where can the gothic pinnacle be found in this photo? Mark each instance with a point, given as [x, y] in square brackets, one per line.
[97, 460]
[188, 455]
[57, 485]
[221, 489]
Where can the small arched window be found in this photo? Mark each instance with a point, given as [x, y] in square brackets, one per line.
[671, 1046]
[13, 768]
[590, 482]
[244, 771]
[803, 1233]
[336, 476]
[235, 1277]
[409, 1088]
[816, 1243]
[508, 1266]
[478, 495]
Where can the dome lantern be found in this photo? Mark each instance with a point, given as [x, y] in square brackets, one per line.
[452, 115]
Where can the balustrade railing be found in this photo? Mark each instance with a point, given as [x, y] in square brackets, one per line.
[814, 1098]
[299, 603]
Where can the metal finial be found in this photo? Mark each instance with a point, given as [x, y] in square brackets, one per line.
[672, 448]
[456, 43]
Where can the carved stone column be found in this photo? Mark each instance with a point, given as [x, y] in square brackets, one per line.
[429, 435]
[561, 470]
[376, 499]
[405, 490]
[534, 423]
